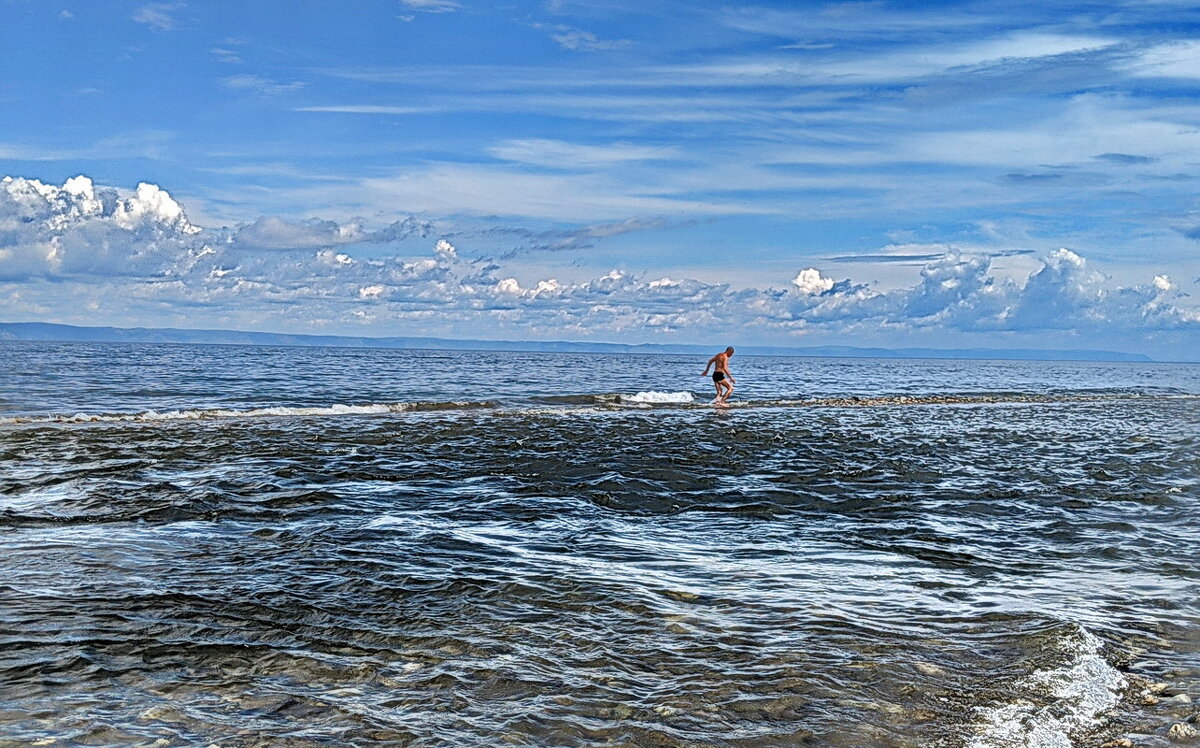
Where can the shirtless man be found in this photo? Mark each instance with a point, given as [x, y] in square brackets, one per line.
[722, 379]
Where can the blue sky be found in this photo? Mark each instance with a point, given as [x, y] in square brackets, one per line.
[990, 174]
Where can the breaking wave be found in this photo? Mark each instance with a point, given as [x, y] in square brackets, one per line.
[1055, 706]
[659, 398]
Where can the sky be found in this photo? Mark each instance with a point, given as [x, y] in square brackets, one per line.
[1001, 175]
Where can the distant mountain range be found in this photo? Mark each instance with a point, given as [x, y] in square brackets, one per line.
[63, 333]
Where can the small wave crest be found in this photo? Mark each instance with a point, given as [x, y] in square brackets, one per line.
[653, 397]
[206, 414]
[571, 403]
[1054, 706]
[648, 397]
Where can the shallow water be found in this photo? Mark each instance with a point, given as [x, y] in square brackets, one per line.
[970, 554]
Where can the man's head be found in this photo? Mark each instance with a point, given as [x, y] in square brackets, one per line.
[729, 351]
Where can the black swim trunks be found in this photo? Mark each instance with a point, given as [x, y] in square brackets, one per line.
[718, 376]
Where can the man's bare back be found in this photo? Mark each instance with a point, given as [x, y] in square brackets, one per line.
[723, 380]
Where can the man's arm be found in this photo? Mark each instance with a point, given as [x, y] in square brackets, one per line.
[708, 366]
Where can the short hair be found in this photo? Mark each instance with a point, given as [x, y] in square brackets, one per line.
[729, 349]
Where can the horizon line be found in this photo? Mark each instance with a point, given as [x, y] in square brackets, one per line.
[329, 340]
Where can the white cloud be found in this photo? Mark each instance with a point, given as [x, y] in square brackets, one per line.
[811, 282]
[272, 232]
[158, 16]
[1084, 150]
[947, 283]
[138, 251]
[431, 6]
[854, 19]
[479, 189]
[509, 286]
[578, 40]
[560, 154]
[368, 109]
[150, 144]
[150, 204]
[905, 65]
[221, 54]
[278, 233]
[370, 292]
[76, 228]
[1178, 59]
[260, 85]
[1090, 125]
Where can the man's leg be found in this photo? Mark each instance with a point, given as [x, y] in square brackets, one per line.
[728, 390]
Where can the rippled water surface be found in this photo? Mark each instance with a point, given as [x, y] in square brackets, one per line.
[289, 546]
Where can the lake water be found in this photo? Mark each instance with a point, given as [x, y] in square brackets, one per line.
[317, 546]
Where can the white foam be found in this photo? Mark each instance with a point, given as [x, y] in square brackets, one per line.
[659, 397]
[1082, 689]
[203, 414]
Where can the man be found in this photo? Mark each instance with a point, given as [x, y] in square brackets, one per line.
[722, 379]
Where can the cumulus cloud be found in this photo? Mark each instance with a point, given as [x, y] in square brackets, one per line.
[811, 282]
[79, 228]
[140, 249]
[946, 283]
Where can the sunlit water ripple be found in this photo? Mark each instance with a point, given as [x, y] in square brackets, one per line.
[334, 547]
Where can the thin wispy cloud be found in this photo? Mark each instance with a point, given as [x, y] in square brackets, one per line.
[564, 155]
[579, 40]
[275, 169]
[893, 67]
[146, 144]
[21, 152]
[857, 20]
[369, 109]
[431, 6]
[159, 16]
[1178, 59]
[258, 84]
[221, 54]
[482, 190]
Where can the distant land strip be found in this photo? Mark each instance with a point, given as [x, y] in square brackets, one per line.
[47, 332]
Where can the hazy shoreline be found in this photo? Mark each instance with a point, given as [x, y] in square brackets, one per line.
[57, 333]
